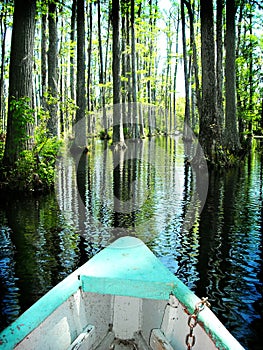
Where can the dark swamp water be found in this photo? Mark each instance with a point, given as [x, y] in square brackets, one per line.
[148, 191]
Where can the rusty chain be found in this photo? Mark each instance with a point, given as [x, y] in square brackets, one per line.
[192, 322]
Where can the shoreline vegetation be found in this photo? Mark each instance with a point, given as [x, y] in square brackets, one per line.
[63, 65]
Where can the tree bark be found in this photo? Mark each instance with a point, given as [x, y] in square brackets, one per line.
[186, 136]
[209, 135]
[124, 72]
[241, 124]
[219, 63]
[135, 118]
[250, 57]
[167, 99]
[118, 136]
[176, 67]
[19, 127]
[72, 55]
[52, 70]
[195, 58]
[89, 102]
[44, 58]
[231, 131]
[3, 21]
[150, 64]
[101, 75]
[128, 70]
[80, 127]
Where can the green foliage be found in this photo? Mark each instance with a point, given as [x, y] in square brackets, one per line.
[249, 78]
[7, 11]
[2, 143]
[105, 135]
[35, 168]
[20, 177]
[180, 112]
[127, 132]
[23, 115]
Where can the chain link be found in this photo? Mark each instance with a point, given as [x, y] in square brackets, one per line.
[192, 322]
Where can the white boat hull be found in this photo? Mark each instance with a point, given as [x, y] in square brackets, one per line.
[94, 321]
[123, 298]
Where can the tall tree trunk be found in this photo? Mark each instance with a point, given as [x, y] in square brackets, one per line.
[80, 127]
[219, 63]
[19, 127]
[186, 136]
[155, 65]
[128, 69]
[124, 73]
[150, 64]
[44, 58]
[135, 117]
[195, 58]
[118, 136]
[241, 124]
[89, 65]
[3, 21]
[176, 67]
[101, 75]
[167, 100]
[62, 92]
[72, 52]
[209, 135]
[107, 49]
[251, 87]
[52, 70]
[231, 131]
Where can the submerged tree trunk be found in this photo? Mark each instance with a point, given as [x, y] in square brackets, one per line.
[241, 124]
[118, 136]
[219, 64]
[135, 117]
[209, 135]
[186, 135]
[72, 53]
[128, 74]
[80, 126]
[251, 87]
[101, 76]
[176, 68]
[231, 131]
[20, 114]
[52, 70]
[167, 99]
[44, 58]
[89, 102]
[149, 73]
[124, 87]
[3, 20]
[195, 58]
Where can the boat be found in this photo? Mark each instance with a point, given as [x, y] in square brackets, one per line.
[123, 298]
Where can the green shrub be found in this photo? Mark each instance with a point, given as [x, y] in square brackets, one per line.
[35, 168]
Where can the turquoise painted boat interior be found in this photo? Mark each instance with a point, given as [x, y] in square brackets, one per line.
[127, 267]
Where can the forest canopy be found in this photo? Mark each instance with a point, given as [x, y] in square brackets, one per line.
[197, 63]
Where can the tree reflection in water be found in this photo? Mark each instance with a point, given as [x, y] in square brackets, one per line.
[148, 190]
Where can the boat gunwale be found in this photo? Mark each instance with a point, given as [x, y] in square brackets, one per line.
[83, 278]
